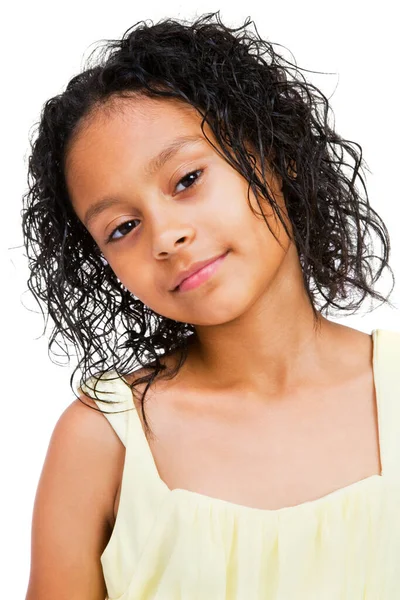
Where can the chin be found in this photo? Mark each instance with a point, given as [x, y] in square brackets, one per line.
[214, 313]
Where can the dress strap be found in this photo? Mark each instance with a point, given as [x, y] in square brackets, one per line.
[387, 386]
[142, 490]
[113, 396]
[115, 405]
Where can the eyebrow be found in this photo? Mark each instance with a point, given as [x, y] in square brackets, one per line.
[169, 151]
[155, 164]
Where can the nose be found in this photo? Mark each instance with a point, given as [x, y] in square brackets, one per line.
[169, 239]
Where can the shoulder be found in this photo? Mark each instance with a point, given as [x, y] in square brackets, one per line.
[73, 512]
[392, 335]
[388, 351]
[84, 444]
[388, 342]
[83, 422]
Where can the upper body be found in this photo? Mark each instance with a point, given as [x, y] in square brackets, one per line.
[273, 455]
[188, 192]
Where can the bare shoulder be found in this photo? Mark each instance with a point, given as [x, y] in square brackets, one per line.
[73, 513]
[82, 432]
[84, 436]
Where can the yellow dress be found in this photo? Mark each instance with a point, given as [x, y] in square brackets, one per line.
[183, 545]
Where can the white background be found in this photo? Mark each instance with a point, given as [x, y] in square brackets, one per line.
[43, 47]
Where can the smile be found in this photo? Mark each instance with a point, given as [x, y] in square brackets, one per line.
[201, 275]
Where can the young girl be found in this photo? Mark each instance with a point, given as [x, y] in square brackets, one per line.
[191, 216]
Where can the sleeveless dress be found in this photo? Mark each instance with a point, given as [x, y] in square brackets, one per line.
[182, 545]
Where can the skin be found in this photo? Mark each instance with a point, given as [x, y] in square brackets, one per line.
[255, 341]
[253, 319]
[263, 392]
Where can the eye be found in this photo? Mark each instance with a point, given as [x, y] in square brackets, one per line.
[126, 225]
[189, 178]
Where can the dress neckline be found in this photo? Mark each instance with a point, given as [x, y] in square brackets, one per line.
[371, 480]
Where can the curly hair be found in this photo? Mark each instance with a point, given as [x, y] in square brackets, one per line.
[250, 96]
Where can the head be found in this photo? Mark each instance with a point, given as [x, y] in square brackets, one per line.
[262, 177]
[151, 221]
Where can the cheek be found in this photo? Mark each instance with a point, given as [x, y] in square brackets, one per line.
[264, 252]
[249, 230]
[137, 280]
[268, 229]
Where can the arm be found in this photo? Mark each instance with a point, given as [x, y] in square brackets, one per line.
[73, 514]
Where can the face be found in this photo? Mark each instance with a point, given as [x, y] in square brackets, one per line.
[152, 218]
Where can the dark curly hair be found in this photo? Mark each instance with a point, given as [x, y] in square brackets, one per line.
[247, 93]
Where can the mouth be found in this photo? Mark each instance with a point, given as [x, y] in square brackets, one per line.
[201, 275]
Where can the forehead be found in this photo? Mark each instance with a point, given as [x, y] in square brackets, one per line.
[140, 123]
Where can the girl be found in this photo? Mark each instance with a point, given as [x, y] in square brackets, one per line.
[191, 216]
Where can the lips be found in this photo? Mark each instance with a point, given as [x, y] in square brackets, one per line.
[194, 268]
